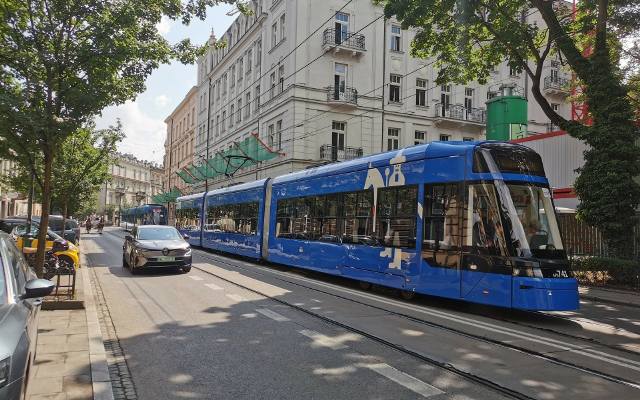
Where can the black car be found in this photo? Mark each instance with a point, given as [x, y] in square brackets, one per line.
[71, 231]
[19, 306]
[8, 223]
[156, 246]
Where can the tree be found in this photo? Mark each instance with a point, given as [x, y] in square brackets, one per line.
[64, 61]
[469, 38]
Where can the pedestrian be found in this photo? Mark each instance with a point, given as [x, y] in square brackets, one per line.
[101, 225]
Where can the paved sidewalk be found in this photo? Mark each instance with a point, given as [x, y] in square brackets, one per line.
[70, 363]
[614, 296]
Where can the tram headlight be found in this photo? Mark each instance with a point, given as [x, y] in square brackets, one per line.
[527, 269]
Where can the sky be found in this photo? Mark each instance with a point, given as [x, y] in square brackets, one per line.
[143, 118]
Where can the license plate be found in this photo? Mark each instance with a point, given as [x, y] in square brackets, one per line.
[166, 258]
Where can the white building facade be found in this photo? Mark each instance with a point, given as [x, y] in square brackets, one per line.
[319, 81]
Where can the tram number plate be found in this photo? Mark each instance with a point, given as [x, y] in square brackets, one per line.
[166, 258]
[560, 273]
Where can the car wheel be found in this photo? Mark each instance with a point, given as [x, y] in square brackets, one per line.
[185, 270]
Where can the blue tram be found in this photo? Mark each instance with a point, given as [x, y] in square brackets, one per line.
[462, 220]
[148, 214]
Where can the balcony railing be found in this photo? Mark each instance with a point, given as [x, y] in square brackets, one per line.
[342, 94]
[461, 113]
[330, 152]
[333, 37]
[556, 83]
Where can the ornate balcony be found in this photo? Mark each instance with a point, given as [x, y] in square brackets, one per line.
[459, 114]
[337, 40]
[556, 85]
[342, 95]
[330, 152]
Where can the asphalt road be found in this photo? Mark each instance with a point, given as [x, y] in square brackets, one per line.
[234, 329]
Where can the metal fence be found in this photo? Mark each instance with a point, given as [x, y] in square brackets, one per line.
[580, 239]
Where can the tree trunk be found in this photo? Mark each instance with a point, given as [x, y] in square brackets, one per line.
[44, 219]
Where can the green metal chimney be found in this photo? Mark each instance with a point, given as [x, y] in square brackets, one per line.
[507, 114]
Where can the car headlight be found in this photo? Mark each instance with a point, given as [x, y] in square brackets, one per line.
[188, 252]
[4, 371]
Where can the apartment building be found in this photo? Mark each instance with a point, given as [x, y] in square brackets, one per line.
[349, 89]
[11, 202]
[133, 182]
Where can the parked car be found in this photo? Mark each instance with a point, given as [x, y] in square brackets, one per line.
[8, 223]
[20, 294]
[155, 246]
[71, 231]
[69, 252]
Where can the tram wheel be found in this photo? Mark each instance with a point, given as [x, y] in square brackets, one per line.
[364, 285]
[407, 294]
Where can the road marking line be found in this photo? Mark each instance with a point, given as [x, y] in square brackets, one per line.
[323, 340]
[404, 379]
[272, 314]
[235, 297]
[213, 286]
[196, 278]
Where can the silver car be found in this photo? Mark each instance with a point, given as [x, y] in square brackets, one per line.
[20, 301]
[155, 246]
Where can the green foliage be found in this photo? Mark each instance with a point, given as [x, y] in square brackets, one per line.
[469, 38]
[600, 271]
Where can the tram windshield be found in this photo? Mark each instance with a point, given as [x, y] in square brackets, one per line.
[534, 226]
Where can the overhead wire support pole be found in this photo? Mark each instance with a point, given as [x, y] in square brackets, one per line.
[384, 77]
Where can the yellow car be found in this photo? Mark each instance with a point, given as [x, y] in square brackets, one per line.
[29, 244]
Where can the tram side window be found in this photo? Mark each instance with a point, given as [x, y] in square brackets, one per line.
[187, 218]
[484, 233]
[396, 216]
[358, 221]
[442, 225]
[233, 218]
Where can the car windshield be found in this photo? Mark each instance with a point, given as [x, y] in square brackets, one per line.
[160, 233]
[534, 228]
[21, 230]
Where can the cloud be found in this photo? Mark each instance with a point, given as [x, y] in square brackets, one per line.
[161, 100]
[164, 26]
[145, 134]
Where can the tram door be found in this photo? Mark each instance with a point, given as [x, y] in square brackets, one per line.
[486, 270]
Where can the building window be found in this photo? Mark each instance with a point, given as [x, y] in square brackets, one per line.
[224, 122]
[274, 35]
[445, 138]
[278, 135]
[217, 86]
[513, 71]
[247, 106]
[468, 98]
[273, 85]
[257, 99]
[270, 134]
[241, 69]
[421, 92]
[555, 106]
[419, 137]
[239, 113]
[394, 88]
[393, 139]
[232, 112]
[341, 27]
[467, 139]
[224, 84]
[249, 60]
[282, 27]
[396, 36]
[233, 76]
[217, 125]
[281, 79]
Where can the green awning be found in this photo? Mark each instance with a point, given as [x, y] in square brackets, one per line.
[241, 155]
[168, 197]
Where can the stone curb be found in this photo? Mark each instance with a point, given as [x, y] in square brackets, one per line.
[606, 300]
[100, 379]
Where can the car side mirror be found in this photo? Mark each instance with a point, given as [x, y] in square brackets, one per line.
[128, 238]
[37, 288]
[186, 237]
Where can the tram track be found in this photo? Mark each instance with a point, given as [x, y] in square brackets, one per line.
[278, 275]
